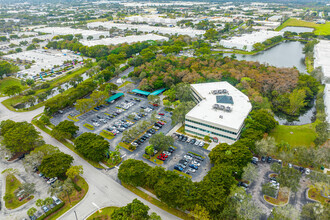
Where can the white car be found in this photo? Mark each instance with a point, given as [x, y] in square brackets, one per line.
[167, 153]
[197, 143]
[96, 124]
[201, 144]
[307, 171]
[188, 140]
[56, 200]
[52, 180]
[192, 170]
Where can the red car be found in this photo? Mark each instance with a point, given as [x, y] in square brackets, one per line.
[161, 114]
[160, 122]
[164, 155]
[156, 105]
[161, 158]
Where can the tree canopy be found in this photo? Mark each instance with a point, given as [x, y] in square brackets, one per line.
[56, 165]
[92, 146]
[65, 129]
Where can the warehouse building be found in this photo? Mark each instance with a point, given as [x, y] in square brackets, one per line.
[220, 112]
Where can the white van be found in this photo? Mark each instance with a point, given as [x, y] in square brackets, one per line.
[56, 200]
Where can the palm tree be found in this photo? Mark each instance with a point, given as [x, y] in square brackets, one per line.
[62, 187]
[31, 211]
[48, 201]
[40, 202]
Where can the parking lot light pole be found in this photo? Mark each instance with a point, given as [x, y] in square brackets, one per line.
[75, 214]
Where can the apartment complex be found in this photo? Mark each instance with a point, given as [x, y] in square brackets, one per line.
[220, 111]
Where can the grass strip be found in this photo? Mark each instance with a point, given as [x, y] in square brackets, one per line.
[182, 174]
[73, 118]
[196, 154]
[104, 213]
[106, 134]
[157, 203]
[90, 127]
[126, 146]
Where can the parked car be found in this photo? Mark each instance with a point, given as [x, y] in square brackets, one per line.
[269, 159]
[307, 171]
[45, 208]
[56, 200]
[263, 159]
[193, 166]
[177, 167]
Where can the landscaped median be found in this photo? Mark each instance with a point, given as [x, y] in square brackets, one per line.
[106, 134]
[315, 194]
[75, 198]
[182, 174]
[157, 203]
[90, 127]
[282, 197]
[10, 198]
[154, 159]
[103, 213]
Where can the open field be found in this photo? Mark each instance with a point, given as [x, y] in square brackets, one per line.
[319, 29]
[295, 135]
[9, 81]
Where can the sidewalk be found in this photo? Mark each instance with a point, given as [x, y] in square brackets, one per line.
[174, 129]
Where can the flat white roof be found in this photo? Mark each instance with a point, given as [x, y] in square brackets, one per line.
[44, 59]
[322, 57]
[68, 30]
[146, 28]
[204, 110]
[249, 39]
[120, 40]
[327, 101]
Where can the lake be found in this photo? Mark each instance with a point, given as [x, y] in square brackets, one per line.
[285, 54]
[298, 30]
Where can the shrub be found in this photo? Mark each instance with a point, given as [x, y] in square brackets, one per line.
[59, 206]
[76, 187]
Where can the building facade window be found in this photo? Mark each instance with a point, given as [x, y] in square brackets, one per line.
[210, 126]
[210, 132]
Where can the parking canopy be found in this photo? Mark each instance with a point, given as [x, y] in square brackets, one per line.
[157, 92]
[114, 97]
[138, 91]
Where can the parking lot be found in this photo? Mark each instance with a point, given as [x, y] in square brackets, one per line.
[123, 114]
[41, 187]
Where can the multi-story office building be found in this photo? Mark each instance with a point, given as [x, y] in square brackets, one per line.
[220, 111]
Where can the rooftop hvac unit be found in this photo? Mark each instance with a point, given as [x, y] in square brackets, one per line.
[216, 106]
[220, 116]
[222, 107]
[228, 109]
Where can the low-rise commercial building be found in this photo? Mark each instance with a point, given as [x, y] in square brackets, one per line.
[220, 112]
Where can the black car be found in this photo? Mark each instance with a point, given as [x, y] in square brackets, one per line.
[158, 125]
[185, 139]
[269, 159]
[302, 169]
[181, 137]
[143, 107]
[172, 148]
[151, 131]
[263, 159]
[192, 141]
[94, 120]
[99, 117]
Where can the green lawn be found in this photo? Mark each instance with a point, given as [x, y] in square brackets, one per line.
[12, 184]
[9, 81]
[104, 213]
[319, 29]
[295, 135]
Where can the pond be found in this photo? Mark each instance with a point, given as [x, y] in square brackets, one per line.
[307, 117]
[286, 54]
[298, 30]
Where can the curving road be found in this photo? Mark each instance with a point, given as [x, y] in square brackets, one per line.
[103, 190]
